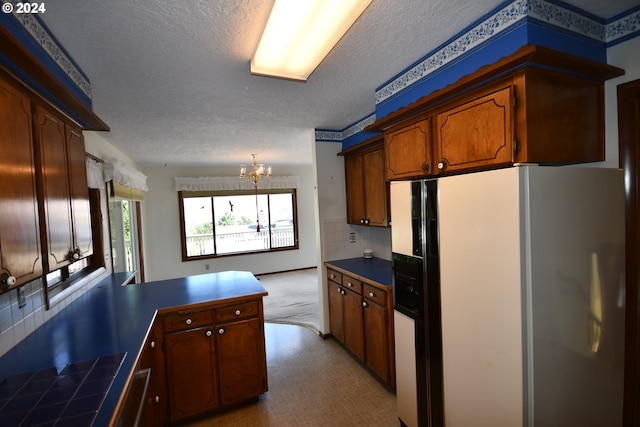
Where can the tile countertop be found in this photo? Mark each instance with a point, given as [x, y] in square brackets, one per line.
[111, 319]
[375, 270]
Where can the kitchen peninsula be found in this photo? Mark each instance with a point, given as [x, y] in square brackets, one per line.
[218, 314]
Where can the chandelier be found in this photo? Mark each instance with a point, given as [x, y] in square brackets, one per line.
[258, 173]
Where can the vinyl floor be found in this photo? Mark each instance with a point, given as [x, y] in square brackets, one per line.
[312, 382]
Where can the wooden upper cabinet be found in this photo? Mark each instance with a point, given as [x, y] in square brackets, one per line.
[559, 118]
[366, 187]
[64, 191]
[476, 133]
[375, 188]
[20, 255]
[354, 181]
[54, 184]
[537, 105]
[408, 150]
[78, 186]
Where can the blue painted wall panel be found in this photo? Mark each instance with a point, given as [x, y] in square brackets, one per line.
[501, 46]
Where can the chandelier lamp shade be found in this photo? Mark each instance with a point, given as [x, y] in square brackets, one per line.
[300, 34]
[259, 171]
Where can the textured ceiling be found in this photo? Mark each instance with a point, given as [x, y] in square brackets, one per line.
[172, 79]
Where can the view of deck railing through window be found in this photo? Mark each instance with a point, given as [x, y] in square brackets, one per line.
[226, 223]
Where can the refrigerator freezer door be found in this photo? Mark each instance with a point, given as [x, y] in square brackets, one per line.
[401, 228]
[406, 386]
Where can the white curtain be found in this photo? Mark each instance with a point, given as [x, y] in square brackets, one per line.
[227, 183]
[120, 172]
[94, 174]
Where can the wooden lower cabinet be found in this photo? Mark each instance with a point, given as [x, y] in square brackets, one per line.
[378, 335]
[154, 411]
[241, 360]
[191, 372]
[214, 356]
[360, 317]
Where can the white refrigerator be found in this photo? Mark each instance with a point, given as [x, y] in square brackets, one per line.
[532, 296]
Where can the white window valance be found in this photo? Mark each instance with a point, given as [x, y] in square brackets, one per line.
[122, 173]
[230, 183]
[94, 174]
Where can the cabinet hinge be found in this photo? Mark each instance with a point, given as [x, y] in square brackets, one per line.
[515, 101]
[516, 146]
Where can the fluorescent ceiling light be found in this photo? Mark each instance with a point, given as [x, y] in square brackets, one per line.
[300, 33]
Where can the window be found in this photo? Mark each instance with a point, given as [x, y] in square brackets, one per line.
[124, 219]
[237, 222]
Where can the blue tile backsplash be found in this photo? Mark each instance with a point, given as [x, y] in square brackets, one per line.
[68, 396]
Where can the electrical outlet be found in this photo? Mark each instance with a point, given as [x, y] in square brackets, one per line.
[22, 300]
[352, 237]
[206, 266]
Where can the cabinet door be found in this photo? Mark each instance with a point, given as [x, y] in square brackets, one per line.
[155, 404]
[408, 151]
[336, 310]
[191, 372]
[476, 134]
[353, 323]
[375, 189]
[51, 148]
[19, 219]
[241, 360]
[79, 190]
[376, 327]
[354, 181]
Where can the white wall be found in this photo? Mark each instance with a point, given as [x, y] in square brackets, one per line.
[161, 222]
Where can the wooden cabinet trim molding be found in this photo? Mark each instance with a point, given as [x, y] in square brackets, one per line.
[527, 55]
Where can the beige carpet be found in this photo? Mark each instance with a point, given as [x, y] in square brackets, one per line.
[293, 298]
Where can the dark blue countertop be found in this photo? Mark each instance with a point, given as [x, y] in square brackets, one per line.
[110, 319]
[375, 269]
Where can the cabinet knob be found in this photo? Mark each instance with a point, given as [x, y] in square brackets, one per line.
[221, 331]
[349, 284]
[73, 256]
[188, 321]
[6, 280]
[332, 276]
[362, 221]
[157, 399]
[442, 165]
[366, 222]
[364, 304]
[371, 294]
[237, 313]
[425, 168]
[209, 333]
[152, 344]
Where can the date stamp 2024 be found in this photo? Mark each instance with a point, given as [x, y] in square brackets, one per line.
[24, 8]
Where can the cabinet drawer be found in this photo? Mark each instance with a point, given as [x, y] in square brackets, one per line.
[334, 276]
[374, 294]
[183, 321]
[237, 311]
[350, 283]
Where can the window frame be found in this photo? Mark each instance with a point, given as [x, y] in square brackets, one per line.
[189, 194]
